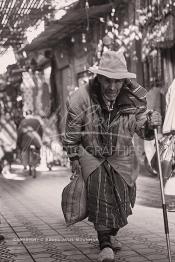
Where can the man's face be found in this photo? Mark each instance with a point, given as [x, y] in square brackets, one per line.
[110, 87]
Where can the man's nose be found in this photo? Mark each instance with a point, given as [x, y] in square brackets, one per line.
[113, 85]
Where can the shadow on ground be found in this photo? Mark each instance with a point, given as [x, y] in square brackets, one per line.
[148, 189]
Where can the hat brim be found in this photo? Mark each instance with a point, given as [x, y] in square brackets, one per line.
[116, 75]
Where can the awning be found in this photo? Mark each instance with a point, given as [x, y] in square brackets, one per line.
[16, 16]
[66, 25]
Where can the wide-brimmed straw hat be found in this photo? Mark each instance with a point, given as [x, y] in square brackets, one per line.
[112, 65]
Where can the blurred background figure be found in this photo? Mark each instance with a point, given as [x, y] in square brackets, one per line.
[167, 146]
[29, 140]
[154, 98]
[7, 156]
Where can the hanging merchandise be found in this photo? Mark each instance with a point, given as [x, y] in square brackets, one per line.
[83, 38]
[87, 14]
[27, 88]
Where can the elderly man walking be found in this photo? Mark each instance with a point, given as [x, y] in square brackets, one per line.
[101, 121]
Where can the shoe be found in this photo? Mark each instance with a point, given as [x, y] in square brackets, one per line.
[2, 237]
[116, 245]
[106, 255]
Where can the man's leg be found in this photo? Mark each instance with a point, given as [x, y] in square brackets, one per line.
[109, 236]
[106, 244]
[104, 239]
[106, 252]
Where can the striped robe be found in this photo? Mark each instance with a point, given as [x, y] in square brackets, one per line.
[109, 198]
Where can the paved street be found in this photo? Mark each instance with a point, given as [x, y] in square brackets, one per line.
[34, 228]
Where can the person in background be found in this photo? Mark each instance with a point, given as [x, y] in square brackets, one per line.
[7, 156]
[167, 148]
[29, 133]
[101, 121]
[154, 102]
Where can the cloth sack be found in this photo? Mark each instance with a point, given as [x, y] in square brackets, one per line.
[74, 200]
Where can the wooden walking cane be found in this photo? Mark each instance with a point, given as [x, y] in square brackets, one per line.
[163, 197]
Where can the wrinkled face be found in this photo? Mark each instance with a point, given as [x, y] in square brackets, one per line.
[110, 87]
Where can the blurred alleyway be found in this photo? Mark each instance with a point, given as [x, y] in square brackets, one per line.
[34, 228]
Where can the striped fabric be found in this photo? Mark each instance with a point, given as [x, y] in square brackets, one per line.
[137, 90]
[8, 136]
[74, 199]
[109, 198]
[132, 97]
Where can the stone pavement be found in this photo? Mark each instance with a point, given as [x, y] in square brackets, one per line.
[34, 228]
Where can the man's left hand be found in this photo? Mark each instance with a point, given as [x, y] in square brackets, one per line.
[154, 119]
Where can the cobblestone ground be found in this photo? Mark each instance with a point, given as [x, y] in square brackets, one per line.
[34, 228]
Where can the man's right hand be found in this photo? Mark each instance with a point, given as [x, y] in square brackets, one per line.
[76, 168]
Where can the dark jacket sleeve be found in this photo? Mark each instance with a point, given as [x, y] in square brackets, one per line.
[137, 95]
